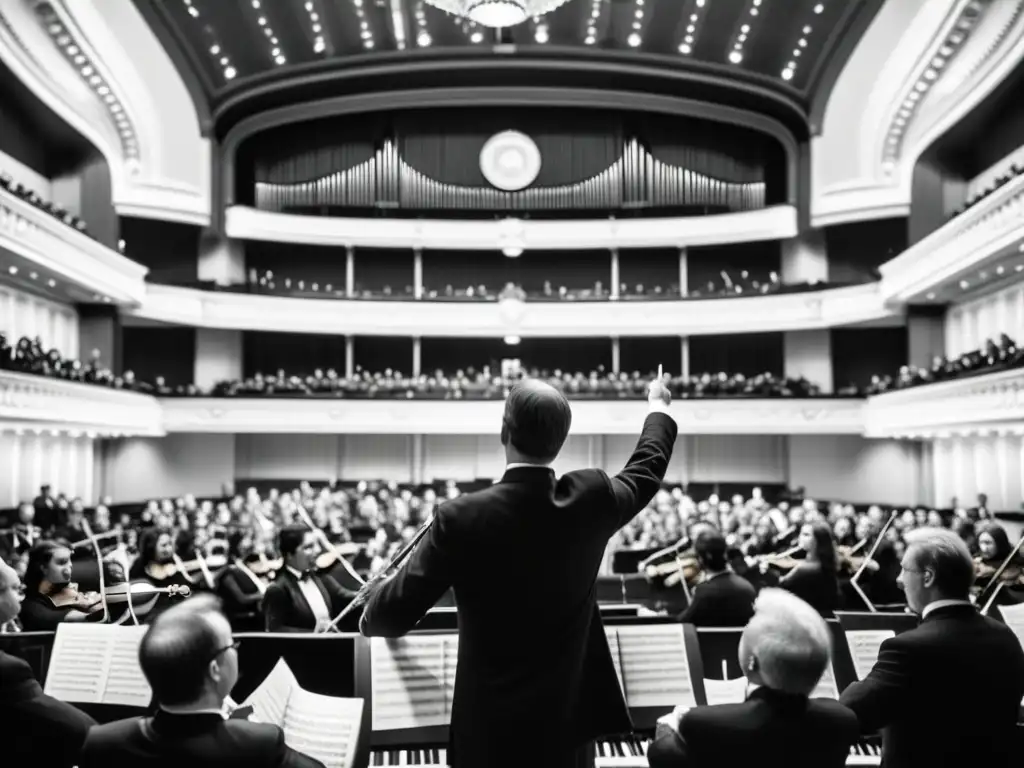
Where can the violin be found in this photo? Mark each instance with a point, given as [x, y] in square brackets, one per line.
[329, 558]
[161, 571]
[984, 572]
[783, 561]
[264, 566]
[850, 562]
[69, 596]
[119, 593]
[686, 567]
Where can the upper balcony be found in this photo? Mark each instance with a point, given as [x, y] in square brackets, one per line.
[663, 317]
[38, 242]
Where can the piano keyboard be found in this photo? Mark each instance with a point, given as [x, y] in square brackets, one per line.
[627, 753]
[425, 756]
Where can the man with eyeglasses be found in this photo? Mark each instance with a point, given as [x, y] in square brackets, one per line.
[38, 729]
[947, 693]
[190, 659]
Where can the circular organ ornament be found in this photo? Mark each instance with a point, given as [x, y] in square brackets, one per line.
[510, 161]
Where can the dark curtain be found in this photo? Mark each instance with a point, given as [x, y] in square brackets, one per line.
[645, 353]
[298, 354]
[153, 352]
[378, 353]
[649, 267]
[746, 353]
[860, 353]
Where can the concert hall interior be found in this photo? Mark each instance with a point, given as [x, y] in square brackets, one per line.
[284, 285]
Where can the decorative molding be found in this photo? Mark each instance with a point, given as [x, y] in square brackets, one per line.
[775, 223]
[991, 404]
[940, 59]
[783, 416]
[692, 317]
[41, 403]
[52, 245]
[988, 230]
[84, 61]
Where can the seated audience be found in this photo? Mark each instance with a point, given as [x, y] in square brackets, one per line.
[946, 694]
[299, 599]
[50, 595]
[190, 659]
[722, 599]
[38, 730]
[784, 651]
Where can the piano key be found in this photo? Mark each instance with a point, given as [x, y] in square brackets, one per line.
[632, 753]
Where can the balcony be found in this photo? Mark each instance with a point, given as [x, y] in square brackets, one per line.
[736, 416]
[780, 312]
[974, 405]
[987, 233]
[39, 402]
[41, 241]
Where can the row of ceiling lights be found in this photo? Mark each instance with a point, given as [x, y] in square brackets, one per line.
[14, 271]
[999, 272]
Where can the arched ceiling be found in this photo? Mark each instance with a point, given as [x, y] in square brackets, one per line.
[232, 47]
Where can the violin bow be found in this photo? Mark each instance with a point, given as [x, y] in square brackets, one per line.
[326, 542]
[855, 579]
[97, 550]
[680, 545]
[997, 574]
[368, 586]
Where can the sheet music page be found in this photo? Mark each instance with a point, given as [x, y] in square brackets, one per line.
[270, 699]
[324, 727]
[408, 682]
[655, 668]
[1013, 616]
[79, 663]
[864, 645]
[726, 691]
[125, 682]
[827, 688]
[613, 646]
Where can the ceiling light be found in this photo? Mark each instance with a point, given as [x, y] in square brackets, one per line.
[787, 74]
[930, 297]
[497, 13]
[685, 48]
[512, 340]
[736, 57]
[819, 8]
[634, 40]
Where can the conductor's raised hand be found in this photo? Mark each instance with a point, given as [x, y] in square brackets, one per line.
[658, 391]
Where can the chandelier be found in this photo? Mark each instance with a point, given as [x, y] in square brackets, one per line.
[497, 13]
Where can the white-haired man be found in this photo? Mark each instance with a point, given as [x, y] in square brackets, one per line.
[784, 650]
[948, 692]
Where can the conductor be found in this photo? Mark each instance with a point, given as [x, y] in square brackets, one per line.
[535, 682]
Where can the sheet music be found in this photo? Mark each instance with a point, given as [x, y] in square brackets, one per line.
[726, 691]
[409, 681]
[826, 688]
[655, 667]
[1013, 616]
[864, 645]
[613, 646]
[270, 699]
[94, 664]
[324, 727]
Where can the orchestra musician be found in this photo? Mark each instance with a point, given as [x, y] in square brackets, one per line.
[25, 533]
[50, 595]
[300, 599]
[946, 693]
[784, 651]
[38, 729]
[513, 693]
[721, 599]
[190, 659]
[993, 548]
[815, 579]
[156, 561]
[242, 584]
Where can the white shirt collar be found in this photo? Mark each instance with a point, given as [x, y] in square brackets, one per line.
[295, 573]
[518, 464]
[936, 604]
[187, 711]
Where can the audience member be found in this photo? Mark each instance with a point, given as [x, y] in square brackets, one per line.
[784, 651]
[946, 694]
[190, 659]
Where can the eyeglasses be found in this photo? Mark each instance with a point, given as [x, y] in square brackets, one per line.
[234, 645]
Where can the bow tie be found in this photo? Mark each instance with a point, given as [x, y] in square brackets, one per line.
[305, 575]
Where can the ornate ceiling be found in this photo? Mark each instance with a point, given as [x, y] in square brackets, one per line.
[231, 44]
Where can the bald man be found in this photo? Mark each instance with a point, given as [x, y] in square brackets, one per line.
[784, 651]
[535, 682]
[38, 729]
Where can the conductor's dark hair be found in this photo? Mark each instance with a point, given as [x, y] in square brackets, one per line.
[290, 539]
[537, 420]
[176, 651]
[711, 550]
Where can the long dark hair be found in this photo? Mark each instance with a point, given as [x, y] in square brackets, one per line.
[824, 545]
[999, 536]
[39, 558]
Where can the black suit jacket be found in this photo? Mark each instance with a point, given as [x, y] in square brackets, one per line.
[533, 657]
[38, 730]
[189, 741]
[944, 694]
[285, 608]
[727, 600]
[769, 728]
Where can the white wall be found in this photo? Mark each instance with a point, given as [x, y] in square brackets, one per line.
[137, 469]
[857, 470]
[25, 176]
[22, 314]
[971, 324]
[966, 466]
[31, 460]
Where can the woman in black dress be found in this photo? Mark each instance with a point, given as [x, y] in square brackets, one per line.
[816, 579]
[50, 595]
